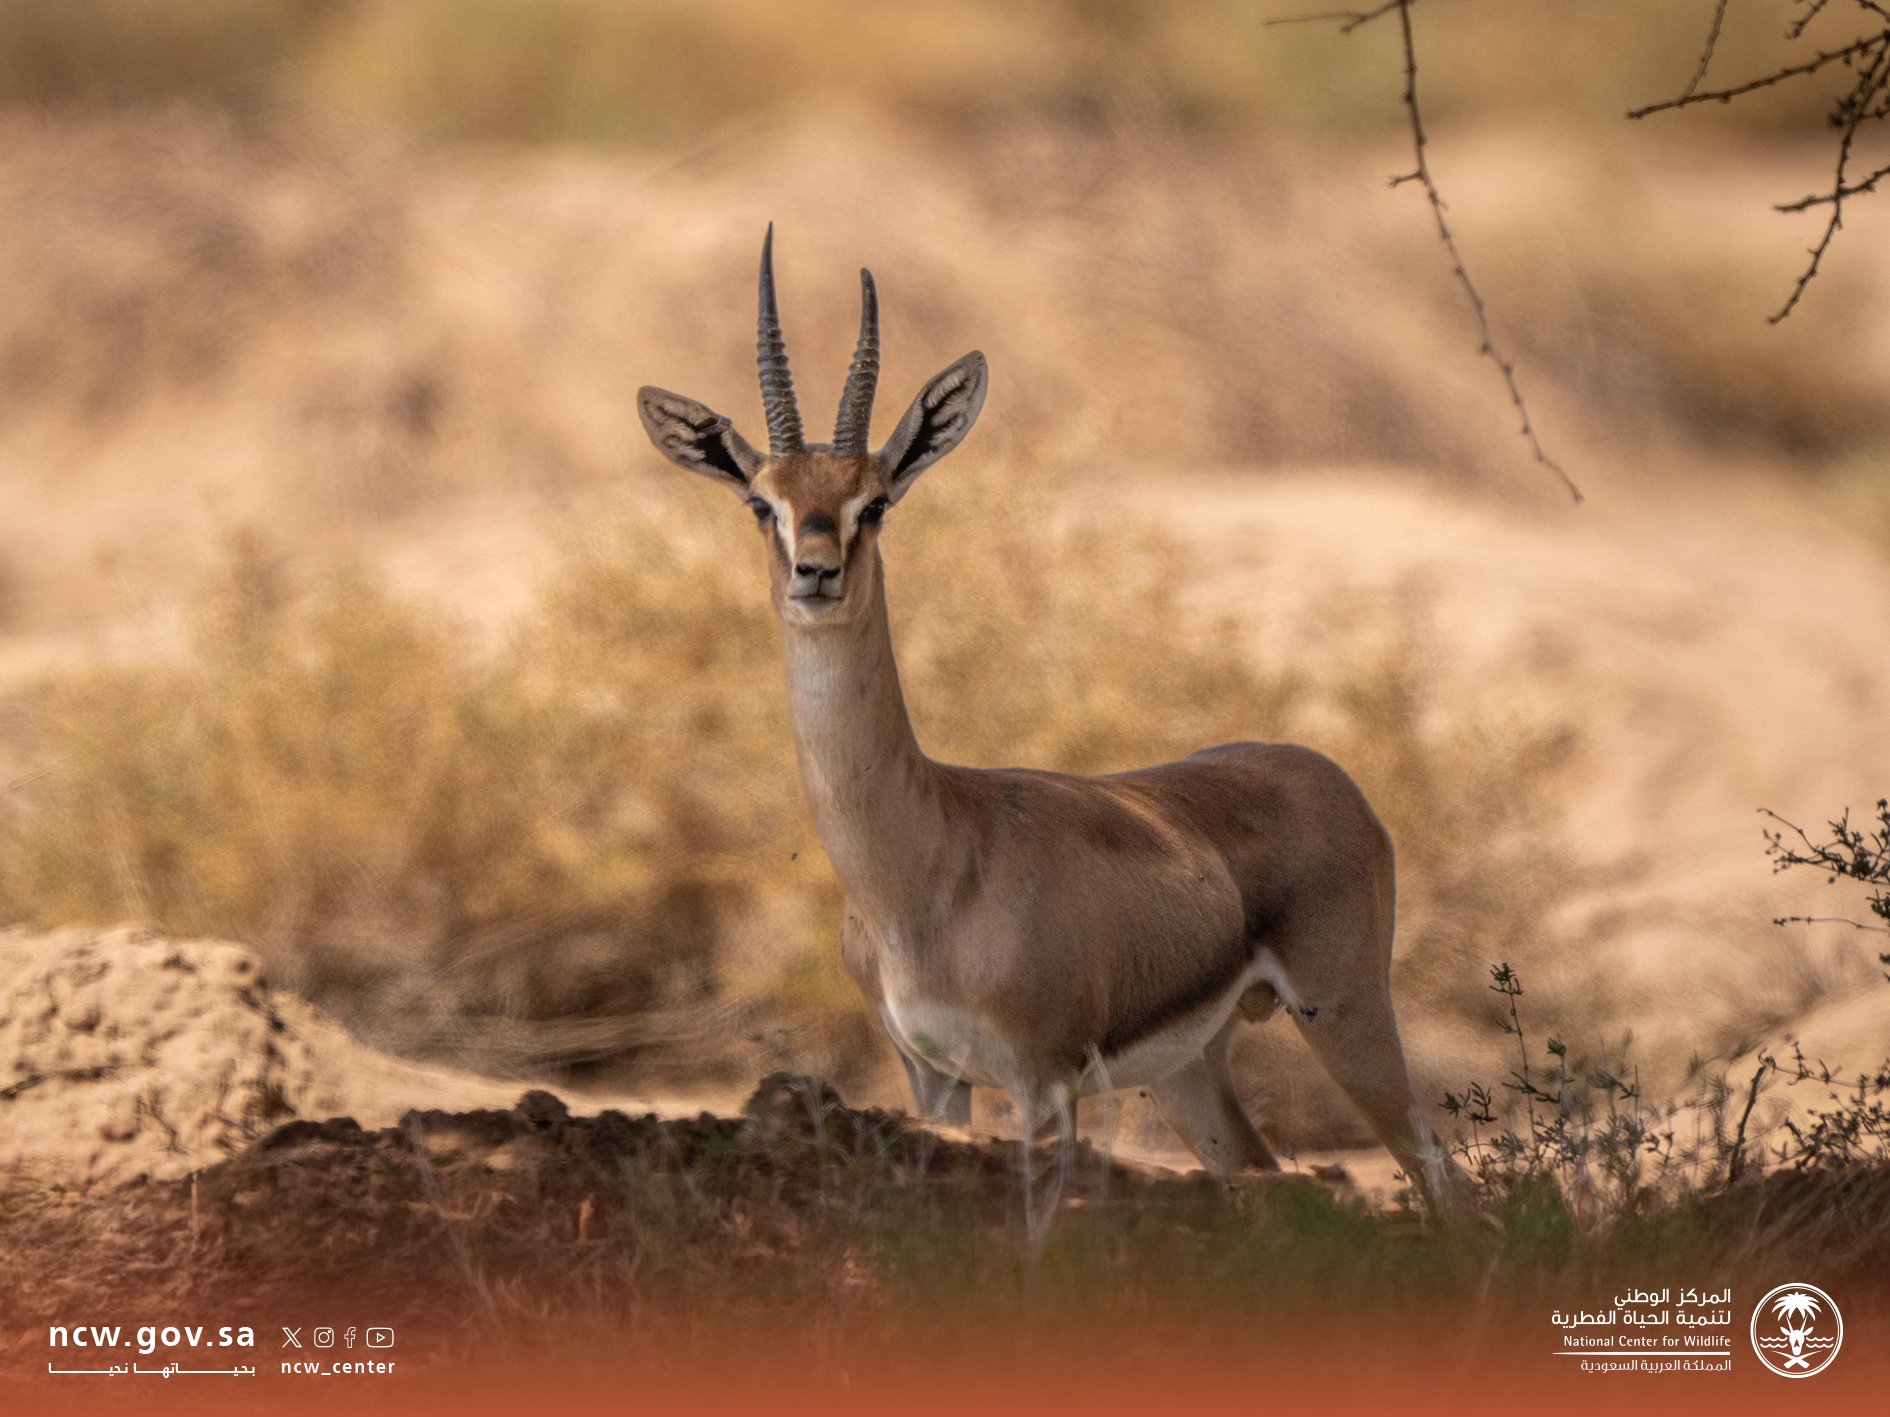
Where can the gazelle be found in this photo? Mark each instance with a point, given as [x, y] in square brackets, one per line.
[1047, 934]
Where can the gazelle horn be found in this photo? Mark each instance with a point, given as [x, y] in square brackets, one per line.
[777, 384]
[856, 402]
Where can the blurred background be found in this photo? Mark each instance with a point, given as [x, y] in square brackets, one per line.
[345, 611]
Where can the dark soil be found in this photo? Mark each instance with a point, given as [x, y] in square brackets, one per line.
[827, 1228]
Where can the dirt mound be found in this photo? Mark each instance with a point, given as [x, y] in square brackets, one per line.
[795, 1128]
[124, 1055]
[530, 1205]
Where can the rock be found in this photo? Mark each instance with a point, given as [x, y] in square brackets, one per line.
[542, 1111]
[792, 1095]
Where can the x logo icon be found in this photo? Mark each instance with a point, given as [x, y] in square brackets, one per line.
[291, 1338]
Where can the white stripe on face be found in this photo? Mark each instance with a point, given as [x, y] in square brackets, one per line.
[850, 518]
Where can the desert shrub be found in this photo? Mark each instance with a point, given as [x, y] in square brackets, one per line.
[1579, 1135]
[588, 844]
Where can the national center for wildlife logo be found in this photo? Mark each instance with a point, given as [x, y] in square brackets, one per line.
[1797, 1330]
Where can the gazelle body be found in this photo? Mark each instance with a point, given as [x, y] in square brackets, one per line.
[1043, 933]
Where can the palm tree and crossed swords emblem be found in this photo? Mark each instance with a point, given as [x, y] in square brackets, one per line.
[1797, 1349]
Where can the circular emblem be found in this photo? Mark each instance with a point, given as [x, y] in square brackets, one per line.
[1797, 1330]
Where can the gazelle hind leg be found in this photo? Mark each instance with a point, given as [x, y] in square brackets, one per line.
[1200, 1104]
[1346, 1018]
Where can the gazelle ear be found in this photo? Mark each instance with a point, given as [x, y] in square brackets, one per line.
[694, 436]
[935, 424]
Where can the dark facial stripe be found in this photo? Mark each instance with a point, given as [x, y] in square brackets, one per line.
[819, 524]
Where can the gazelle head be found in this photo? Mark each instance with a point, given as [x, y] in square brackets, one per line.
[819, 505]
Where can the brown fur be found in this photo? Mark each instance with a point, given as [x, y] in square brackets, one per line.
[1072, 918]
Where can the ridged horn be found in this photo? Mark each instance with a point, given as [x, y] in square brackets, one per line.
[856, 402]
[777, 384]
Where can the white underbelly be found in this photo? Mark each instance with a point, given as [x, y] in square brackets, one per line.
[1161, 1054]
[1158, 1056]
[965, 1046]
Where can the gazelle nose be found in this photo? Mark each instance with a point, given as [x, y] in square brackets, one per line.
[811, 572]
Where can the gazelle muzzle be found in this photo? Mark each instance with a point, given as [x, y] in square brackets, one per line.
[818, 563]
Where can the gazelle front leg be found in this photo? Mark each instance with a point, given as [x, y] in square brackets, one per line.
[939, 1096]
[1046, 1112]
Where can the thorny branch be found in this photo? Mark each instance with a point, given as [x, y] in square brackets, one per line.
[1870, 88]
[1859, 852]
[1348, 21]
[1692, 96]
[1863, 184]
[1863, 101]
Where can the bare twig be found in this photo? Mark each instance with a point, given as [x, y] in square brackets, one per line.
[1813, 8]
[1864, 101]
[1867, 89]
[1712, 43]
[1421, 174]
[1825, 58]
[1818, 199]
[1831, 920]
[1349, 20]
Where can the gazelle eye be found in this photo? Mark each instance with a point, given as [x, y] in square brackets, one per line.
[764, 513]
[873, 511]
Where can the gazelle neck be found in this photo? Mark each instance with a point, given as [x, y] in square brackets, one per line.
[871, 790]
